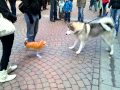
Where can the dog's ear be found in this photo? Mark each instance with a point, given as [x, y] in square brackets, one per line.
[70, 26]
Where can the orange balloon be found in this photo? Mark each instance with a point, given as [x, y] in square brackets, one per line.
[36, 45]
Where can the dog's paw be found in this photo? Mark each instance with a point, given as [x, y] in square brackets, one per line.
[77, 52]
[71, 47]
[111, 53]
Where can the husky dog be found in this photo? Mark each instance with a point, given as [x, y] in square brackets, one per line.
[83, 31]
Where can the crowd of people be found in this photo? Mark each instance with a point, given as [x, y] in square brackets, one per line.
[32, 14]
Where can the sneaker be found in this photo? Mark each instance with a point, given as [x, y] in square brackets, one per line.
[11, 68]
[4, 77]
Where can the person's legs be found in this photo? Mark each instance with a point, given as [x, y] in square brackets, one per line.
[104, 9]
[100, 12]
[91, 4]
[80, 14]
[51, 12]
[7, 42]
[65, 17]
[95, 5]
[55, 10]
[68, 17]
[44, 4]
[13, 6]
[114, 14]
[117, 21]
[36, 19]
[30, 29]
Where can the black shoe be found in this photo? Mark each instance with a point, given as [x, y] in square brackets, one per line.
[57, 19]
[52, 20]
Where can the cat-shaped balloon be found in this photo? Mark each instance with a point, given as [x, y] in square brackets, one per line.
[35, 45]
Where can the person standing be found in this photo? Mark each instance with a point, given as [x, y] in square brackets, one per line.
[81, 5]
[105, 2]
[67, 9]
[13, 6]
[115, 13]
[32, 14]
[93, 2]
[100, 7]
[53, 10]
[61, 5]
[7, 43]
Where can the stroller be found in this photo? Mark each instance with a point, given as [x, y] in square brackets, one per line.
[61, 12]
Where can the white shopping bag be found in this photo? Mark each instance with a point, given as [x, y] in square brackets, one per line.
[6, 27]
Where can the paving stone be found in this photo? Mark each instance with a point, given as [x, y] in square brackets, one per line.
[6, 88]
[47, 88]
[72, 81]
[103, 87]
[75, 87]
[46, 84]
[60, 86]
[66, 84]
[68, 89]
[95, 75]
[76, 77]
[81, 84]
[88, 87]
[53, 85]
[86, 82]
[24, 87]
[95, 82]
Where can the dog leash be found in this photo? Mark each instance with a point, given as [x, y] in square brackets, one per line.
[93, 20]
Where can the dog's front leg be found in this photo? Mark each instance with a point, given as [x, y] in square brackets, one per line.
[112, 50]
[75, 43]
[82, 44]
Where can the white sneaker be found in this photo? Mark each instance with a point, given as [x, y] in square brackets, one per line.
[11, 68]
[4, 77]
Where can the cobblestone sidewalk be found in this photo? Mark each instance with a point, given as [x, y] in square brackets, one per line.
[60, 68]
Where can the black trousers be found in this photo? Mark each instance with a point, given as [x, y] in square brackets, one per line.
[53, 10]
[44, 4]
[13, 6]
[67, 16]
[7, 43]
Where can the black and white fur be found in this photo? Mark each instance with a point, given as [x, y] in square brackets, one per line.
[83, 31]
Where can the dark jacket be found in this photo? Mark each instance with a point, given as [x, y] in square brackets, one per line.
[6, 12]
[115, 4]
[32, 6]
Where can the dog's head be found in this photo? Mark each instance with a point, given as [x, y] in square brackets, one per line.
[74, 27]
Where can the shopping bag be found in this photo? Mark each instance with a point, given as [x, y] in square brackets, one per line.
[6, 26]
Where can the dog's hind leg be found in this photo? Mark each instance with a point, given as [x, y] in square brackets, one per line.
[82, 44]
[75, 43]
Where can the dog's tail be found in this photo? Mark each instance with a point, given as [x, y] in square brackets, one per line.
[107, 23]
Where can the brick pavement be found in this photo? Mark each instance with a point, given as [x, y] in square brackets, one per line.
[60, 68]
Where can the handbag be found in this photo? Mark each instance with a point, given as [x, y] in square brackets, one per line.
[6, 27]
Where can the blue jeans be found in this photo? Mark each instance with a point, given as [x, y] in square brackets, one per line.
[67, 16]
[80, 14]
[13, 6]
[32, 29]
[115, 13]
[104, 9]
